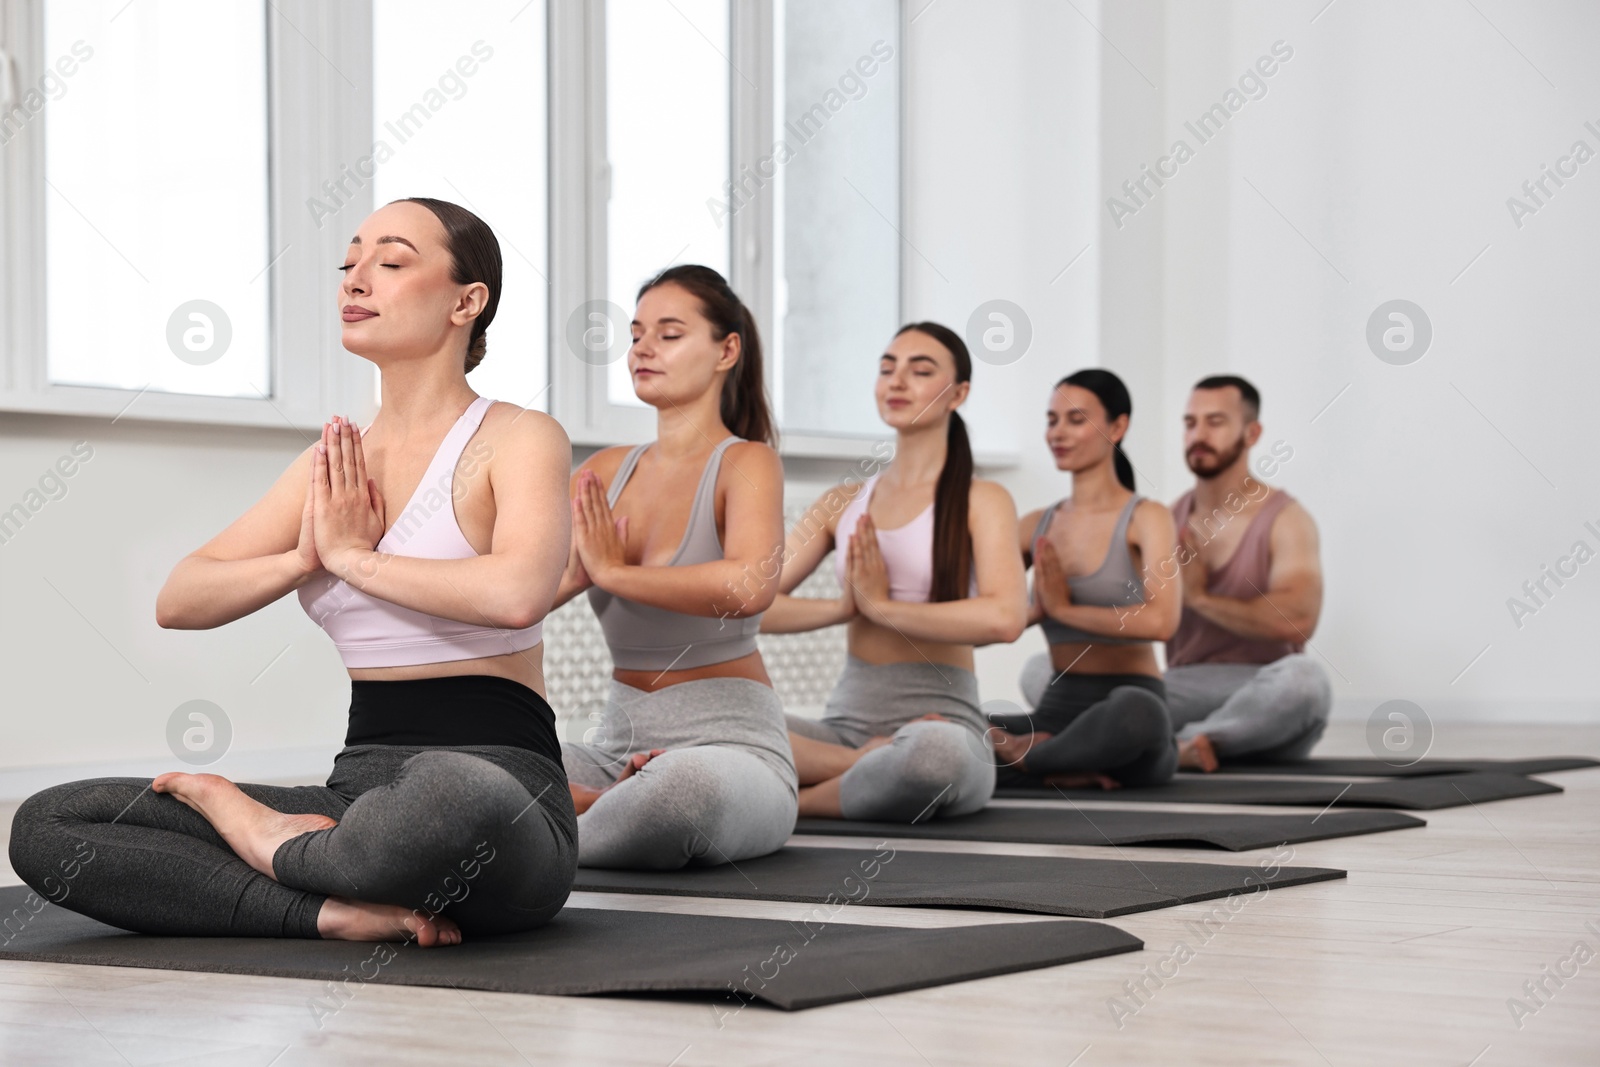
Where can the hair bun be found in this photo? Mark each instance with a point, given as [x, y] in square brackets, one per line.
[476, 350]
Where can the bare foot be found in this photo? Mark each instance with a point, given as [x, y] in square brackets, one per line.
[1086, 780]
[250, 828]
[342, 919]
[584, 796]
[635, 763]
[1197, 754]
[872, 743]
[1010, 749]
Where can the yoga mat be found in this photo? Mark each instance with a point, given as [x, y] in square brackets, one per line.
[1335, 767]
[1423, 793]
[585, 950]
[1062, 825]
[1086, 888]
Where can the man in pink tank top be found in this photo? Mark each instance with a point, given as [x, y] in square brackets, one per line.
[1239, 683]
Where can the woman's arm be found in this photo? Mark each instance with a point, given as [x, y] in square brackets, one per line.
[1025, 528]
[741, 583]
[1153, 534]
[804, 550]
[263, 554]
[996, 615]
[605, 463]
[511, 586]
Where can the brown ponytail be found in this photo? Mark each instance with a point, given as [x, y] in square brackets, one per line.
[474, 257]
[952, 541]
[744, 406]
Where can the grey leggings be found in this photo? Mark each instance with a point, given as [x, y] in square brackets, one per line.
[1272, 712]
[930, 769]
[1111, 724]
[484, 834]
[725, 789]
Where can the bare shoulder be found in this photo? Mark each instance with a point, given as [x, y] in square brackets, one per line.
[521, 440]
[1294, 521]
[508, 422]
[986, 496]
[752, 463]
[1152, 511]
[1152, 519]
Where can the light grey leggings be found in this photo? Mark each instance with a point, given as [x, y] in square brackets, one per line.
[1272, 712]
[930, 769]
[725, 789]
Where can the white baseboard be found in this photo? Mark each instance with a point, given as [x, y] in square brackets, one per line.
[262, 765]
[1501, 712]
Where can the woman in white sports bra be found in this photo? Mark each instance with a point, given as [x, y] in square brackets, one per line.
[692, 764]
[926, 556]
[1103, 719]
[429, 548]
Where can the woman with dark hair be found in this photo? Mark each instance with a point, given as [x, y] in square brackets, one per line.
[692, 765]
[926, 559]
[1103, 719]
[447, 810]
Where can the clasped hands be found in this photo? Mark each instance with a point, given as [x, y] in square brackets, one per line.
[344, 515]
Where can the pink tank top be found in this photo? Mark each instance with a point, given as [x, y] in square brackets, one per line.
[907, 550]
[1244, 576]
[376, 633]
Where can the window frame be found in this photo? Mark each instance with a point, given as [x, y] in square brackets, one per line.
[315, 125]
[579, 188]
[312, 128]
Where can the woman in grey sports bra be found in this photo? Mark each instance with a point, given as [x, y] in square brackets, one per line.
[903, 738]
[692, 762]
[1103, 719]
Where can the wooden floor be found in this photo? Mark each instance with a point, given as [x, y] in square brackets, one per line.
[1411, 960]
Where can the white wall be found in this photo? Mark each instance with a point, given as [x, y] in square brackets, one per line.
[1002, 193]
[1390, 141]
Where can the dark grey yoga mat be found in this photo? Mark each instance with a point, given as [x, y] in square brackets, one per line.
[1086, 888]
[1333, 766]
[1425, 793]
[789, 965]
[1062, 825]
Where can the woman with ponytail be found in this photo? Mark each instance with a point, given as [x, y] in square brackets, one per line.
[926, 558]
[1103, 718]
[691, 763]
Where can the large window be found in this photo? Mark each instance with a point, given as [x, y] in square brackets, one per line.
[458, 112]
[155, 210]
[667, 131]
[180, 179]
[836, 249]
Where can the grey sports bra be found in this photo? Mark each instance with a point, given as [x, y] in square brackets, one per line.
[1114, 584]
[647, 638]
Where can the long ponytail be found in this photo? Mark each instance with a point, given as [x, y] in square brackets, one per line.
[743, 404]
[952, 540]
[1114, 397]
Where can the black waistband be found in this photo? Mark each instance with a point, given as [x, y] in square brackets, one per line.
[1089, 688]
[466, 709]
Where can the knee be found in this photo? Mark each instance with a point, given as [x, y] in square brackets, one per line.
[934, 752]
[38, 854]
[467, 791]
[1142, 712]
[1035, 678]
[691, 787]
[1309, 682]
